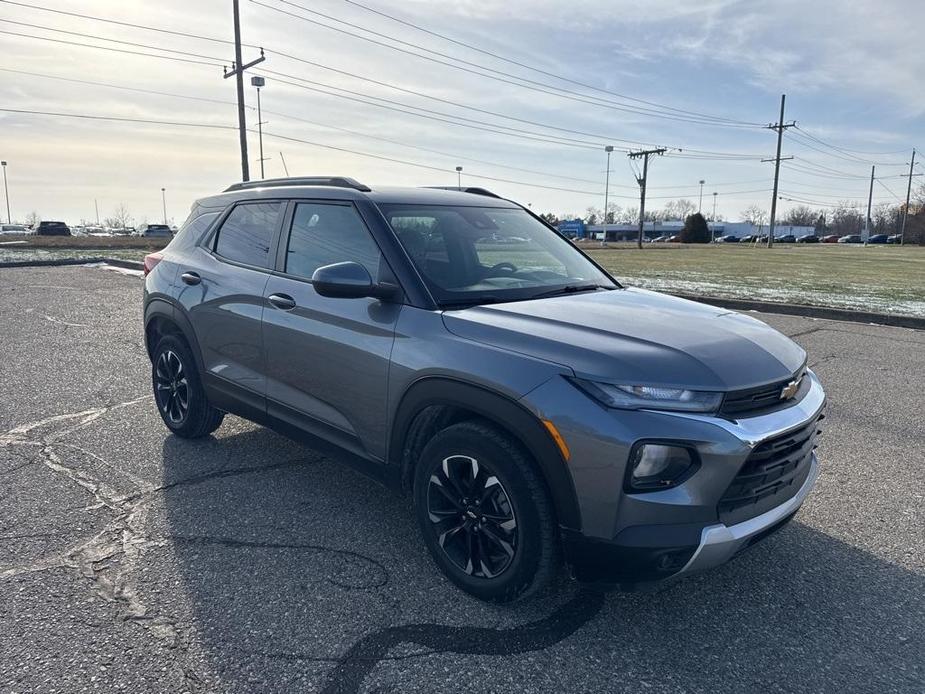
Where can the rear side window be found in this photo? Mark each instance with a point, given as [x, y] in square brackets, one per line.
[248, 232]
[323, 234]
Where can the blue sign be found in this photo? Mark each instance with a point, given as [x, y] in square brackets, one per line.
[572, 227]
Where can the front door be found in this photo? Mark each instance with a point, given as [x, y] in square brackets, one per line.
[327, 360]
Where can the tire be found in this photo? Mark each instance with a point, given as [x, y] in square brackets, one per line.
[474, 461]
[178, 393]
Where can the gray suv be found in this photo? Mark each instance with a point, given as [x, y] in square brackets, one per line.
[452, 344]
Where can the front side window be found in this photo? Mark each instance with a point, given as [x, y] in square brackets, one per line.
[489, 254]
[247, 234]
[327, 233]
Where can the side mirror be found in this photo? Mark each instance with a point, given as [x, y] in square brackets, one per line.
[349, 280]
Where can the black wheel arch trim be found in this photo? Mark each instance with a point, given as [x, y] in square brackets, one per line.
[495, 407]
[167, 310]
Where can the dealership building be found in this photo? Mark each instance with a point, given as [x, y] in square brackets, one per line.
[577, 228]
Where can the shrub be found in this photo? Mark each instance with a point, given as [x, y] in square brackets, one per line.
[696, 229]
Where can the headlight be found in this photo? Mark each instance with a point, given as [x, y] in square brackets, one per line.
[630, 397]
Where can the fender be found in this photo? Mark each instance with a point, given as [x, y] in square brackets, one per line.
[167, 310]
[497, 408]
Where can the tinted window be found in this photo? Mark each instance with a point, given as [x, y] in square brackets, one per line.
[476, 254]
[247, 233]
[323, 234]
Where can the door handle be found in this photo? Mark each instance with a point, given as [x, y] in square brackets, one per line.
[282, 301]
[191, 278]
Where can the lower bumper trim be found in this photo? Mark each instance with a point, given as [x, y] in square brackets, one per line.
[719, 543]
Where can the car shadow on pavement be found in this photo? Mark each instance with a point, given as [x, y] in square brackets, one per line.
[300, 574]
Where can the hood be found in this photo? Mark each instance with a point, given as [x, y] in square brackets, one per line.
[634, 336]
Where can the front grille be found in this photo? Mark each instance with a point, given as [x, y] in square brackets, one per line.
[773, 472]
[761, 398]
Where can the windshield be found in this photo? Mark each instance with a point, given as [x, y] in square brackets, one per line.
[474, 255]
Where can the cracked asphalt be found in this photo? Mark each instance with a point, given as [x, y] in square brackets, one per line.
[134, 561]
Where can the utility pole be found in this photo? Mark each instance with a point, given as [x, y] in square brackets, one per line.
[902, 231]
[609, 150]
[642, 184]
[6, 193]
[237, 71]
[164, 203]
[780, 127]
[97, 207]
[285, 168]
[259, 82]
[870, 200]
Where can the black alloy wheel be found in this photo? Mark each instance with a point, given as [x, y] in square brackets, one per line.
[473, 517]
[171, 387]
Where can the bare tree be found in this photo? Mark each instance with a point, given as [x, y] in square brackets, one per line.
[755, 214]
[33, 218]
[679, 209]
[593, 215]
[800, 216]
[847, 218]
[120, 218]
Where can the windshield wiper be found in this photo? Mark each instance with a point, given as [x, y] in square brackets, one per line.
[571, 289]
[474, 301]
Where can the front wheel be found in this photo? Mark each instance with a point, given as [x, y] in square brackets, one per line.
[485, 513]
[178, 392]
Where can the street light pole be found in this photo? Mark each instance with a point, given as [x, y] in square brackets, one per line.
[164, 203]
[6, 193]
[608, 149]
[459, 177]
[259, 82]
[700, 204]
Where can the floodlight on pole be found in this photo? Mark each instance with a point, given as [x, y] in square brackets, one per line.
[700, 204]
[164, 203]
[258, 82]
[459, 177]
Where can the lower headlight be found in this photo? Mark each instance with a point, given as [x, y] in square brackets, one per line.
[659, 466]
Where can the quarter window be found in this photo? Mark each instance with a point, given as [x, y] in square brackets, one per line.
[323, 234]
[247, 233]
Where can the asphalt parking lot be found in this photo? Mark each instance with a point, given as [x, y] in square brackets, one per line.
[131, 560]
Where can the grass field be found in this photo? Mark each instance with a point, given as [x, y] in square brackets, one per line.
[885, 279]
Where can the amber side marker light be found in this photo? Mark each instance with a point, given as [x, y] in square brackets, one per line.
[557, 437]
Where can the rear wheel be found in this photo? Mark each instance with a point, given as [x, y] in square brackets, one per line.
[178, 392]
[485, 513]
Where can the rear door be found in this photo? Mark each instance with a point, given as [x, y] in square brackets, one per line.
[327, 360]
[223, 292]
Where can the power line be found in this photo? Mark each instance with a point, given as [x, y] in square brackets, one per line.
[499, 75]
[845, 149]
[511, 61]
[113, 49]
[125, 24]
[86, 116]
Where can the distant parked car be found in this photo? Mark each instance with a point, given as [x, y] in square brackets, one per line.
[831, 238]
[851, 238]
[878, 238]
[786, 238]
[155, 231]
[674, 239]
[13, 229]
[661, 239]
[895, 238]
[808, 238]
[729, 238]
[52, 229]
[751, 238]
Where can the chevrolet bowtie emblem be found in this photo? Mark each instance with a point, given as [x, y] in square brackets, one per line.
[789, 390]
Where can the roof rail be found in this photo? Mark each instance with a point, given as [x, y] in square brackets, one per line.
[468, 189]
[333, 181]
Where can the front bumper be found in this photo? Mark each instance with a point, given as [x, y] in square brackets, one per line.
[631, 538]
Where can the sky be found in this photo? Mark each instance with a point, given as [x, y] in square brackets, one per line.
[523, 94]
